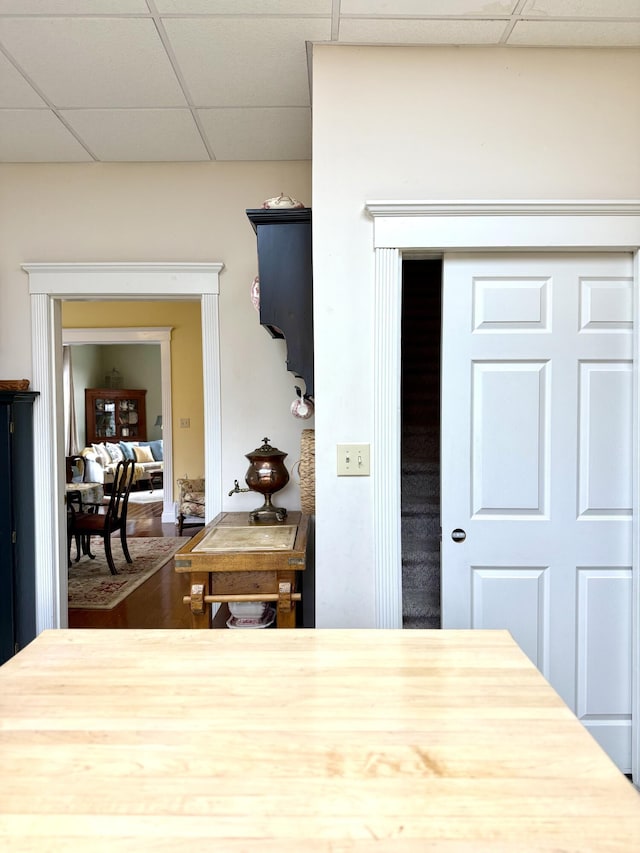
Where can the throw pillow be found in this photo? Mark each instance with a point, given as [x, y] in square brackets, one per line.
[127, 450]
[156, 449]
[101, 452]
[114, 452]
[143, 454]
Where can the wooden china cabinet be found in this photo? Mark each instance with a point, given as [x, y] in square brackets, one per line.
[115, 416]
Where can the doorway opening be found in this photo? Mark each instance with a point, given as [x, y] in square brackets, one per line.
[49, 285]
[420, 442]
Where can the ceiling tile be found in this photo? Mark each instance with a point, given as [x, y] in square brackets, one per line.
[583, 8]
[245, 62]
[575, 34]
[424, 8]
[94, 62]
[14, 89]
[259, 134]
[73, 7]
[37, 136]
[138, 135]
[297, 8]
[377, 31]
[241, 62]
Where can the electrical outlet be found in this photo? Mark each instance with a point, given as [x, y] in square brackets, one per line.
[185, 423]
[353, 460]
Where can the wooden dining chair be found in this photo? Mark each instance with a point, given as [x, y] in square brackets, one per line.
[83, 525]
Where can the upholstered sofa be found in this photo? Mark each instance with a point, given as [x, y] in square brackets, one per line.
[100, 460]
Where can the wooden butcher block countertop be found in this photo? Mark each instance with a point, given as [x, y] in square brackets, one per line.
[307, 740]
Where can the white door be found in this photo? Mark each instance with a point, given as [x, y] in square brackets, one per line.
[536, 469]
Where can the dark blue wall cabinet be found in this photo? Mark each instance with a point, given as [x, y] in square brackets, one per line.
[286, 283]
[17, 551]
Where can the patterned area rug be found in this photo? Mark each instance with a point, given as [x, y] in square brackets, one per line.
[93, 587]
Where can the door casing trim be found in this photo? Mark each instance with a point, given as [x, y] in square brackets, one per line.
[160, 336]
[407, 228]
[49, 284]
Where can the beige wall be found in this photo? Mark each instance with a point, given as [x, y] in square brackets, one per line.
[162, 212]
[186, 363]
[420, 124]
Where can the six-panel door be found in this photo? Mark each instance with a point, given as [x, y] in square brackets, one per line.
[536, 469]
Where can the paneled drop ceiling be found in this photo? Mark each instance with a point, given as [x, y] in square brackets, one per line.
[200, 80]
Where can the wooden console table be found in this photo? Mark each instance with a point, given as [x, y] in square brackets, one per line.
[233, 560]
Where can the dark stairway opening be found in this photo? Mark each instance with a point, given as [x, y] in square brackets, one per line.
[420, 487]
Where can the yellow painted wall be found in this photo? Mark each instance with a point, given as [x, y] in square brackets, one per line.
[186, 363]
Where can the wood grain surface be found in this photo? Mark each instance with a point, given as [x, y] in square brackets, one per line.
[327, 740]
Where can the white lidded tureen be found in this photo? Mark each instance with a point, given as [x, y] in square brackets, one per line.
[280, 202]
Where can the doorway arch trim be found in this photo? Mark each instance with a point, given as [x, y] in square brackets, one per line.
[49, 284]
[142, 335]
[413, 228]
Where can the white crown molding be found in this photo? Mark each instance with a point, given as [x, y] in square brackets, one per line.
[173, 280]
[614, 207]
[488, 225]
[125, 267]
[138, 335]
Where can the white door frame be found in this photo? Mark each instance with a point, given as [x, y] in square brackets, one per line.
[434, 227]
[49, 284]
[143, 335]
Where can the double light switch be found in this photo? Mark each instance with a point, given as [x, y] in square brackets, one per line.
[353, 460]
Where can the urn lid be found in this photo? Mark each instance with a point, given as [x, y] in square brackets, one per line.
[265, 452]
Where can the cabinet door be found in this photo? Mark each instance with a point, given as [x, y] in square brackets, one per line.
[23, 503]
[286, 284]
[115, 415]
[105, 418]
[129, 424]
[7, 619]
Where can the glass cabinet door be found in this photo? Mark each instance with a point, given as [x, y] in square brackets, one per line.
[105, 415]
[128, 418]
[115, 415]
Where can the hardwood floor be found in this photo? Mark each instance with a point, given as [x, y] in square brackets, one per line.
[158, 602]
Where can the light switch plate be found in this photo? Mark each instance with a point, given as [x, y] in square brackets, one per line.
[353, 460]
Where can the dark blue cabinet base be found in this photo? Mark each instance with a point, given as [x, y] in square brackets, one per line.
[17, 549]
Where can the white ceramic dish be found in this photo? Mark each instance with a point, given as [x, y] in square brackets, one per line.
[247, 609]
[265, 621]
[281, 201]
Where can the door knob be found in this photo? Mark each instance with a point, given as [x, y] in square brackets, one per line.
[458, 535]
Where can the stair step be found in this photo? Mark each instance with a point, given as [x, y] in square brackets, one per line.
[426, 508]
[421, 609]
[420, 531]
[418, 490]
[420, 447]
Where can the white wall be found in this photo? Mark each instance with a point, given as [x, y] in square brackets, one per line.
[86, 364]
[162, 212]
[433, 123]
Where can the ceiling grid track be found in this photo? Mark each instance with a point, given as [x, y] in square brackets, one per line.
[164, 38]
[162, 81]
